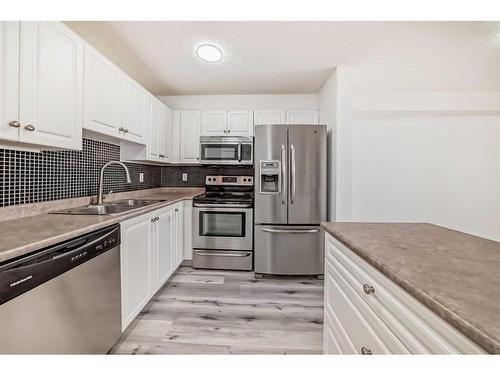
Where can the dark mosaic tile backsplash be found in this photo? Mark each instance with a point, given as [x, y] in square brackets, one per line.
[29, 177]
[172, 175]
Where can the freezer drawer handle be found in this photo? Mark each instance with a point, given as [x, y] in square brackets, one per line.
[293, 231]
[213, 254]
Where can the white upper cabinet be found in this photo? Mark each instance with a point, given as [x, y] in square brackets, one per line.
[298, 117]
[41, 91]
[166, 134]
[240, 123]
[50, 85]
[269, 117]
[102, 94]
[134, 111]
[190, 124]
[227, 123]
[213, 123]
[9, 80]
[154, 128]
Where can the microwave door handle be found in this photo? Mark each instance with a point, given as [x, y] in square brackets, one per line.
[239, 152]
[283, 174]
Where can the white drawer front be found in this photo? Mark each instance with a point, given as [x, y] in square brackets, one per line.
[362, 327]
[418, 328]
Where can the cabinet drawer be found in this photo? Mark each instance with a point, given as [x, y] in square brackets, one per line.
[418, 328]
[362, 327]
[333, 341]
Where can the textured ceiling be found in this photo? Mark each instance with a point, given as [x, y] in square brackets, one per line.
[267, 57]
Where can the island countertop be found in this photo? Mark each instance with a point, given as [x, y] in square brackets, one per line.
[456, 275]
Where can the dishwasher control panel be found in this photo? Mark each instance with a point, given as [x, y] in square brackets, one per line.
[22, 274]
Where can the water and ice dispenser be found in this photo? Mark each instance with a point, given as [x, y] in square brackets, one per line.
[270, 177]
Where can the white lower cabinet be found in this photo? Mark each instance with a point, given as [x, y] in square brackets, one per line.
[178, 254]
[136, 261]
[151, 250]
[384, 320]
[163, 242]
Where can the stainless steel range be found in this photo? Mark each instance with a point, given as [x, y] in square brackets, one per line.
[223, 224]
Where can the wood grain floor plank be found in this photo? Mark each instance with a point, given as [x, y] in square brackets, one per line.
[229, 312]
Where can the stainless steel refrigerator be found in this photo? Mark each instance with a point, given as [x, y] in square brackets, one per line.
[290, 199]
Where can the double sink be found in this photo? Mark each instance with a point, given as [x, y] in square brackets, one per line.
[110, 208]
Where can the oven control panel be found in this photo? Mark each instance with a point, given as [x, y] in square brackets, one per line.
[229, 180]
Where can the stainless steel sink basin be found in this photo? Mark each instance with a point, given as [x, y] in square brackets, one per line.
[110, 208]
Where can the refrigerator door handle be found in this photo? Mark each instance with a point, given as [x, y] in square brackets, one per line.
[292, 174]
[291, 231]
[283, 174]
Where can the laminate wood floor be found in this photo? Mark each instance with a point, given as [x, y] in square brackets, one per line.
[229, 312]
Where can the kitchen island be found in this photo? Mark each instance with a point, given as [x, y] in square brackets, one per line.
[431, 289]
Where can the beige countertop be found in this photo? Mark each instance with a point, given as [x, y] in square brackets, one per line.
[22, 235]
[456, 275]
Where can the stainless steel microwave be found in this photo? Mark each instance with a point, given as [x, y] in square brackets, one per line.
[226, 150]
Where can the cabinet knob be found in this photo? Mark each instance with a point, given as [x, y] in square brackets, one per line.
[29, 128]
[15, 124]
[121, 129]
[368, 289]
[176, 210]
[125, 130]
[366, 351]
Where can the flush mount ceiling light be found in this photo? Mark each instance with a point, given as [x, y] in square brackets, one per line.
[209, 53]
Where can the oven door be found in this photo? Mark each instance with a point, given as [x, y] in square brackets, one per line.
[226, 152]
[221, 227]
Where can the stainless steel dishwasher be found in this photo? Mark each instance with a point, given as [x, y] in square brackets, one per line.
[63, 299]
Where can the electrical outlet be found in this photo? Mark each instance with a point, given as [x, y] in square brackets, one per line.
[141, 177]
[184, 177]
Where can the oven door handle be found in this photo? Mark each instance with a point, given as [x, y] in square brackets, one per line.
[291, 231]
[206, 253]
[209, 205]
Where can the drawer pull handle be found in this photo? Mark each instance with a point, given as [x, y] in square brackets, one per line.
[366, 351]
[368, 289]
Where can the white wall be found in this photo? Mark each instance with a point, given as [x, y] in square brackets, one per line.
[216, 102]
[418, 156]
[327, 104]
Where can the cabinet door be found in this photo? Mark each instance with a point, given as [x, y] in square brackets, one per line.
[154, 129]
[102, 94]
[9, 80]
[190, 136]
[134, 111]
[164, 242]
[269, 117]
[302, 117]
[179, 234]
[136, 250]
[213, 123]
[51, 85]
[166, 137]
[240, 123]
